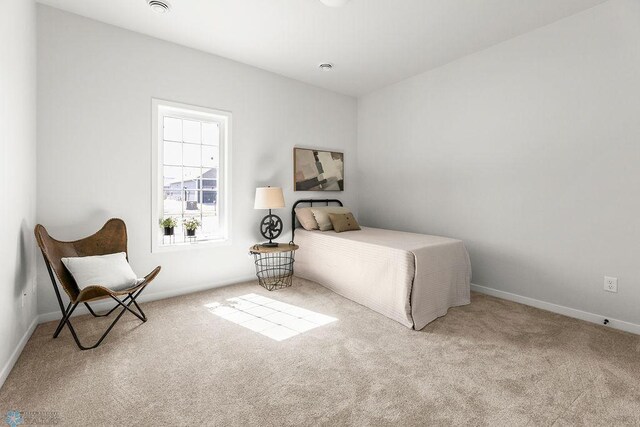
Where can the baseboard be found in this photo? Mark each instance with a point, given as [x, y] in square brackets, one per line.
[153, 296]
[6, 369]
[559, 309]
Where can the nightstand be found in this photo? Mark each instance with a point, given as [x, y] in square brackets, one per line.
[274, 265]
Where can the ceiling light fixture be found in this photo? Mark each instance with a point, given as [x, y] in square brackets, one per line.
[326, 66]
[334, 3]
[159, 6]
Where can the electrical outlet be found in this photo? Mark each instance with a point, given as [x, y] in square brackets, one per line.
[610, 284]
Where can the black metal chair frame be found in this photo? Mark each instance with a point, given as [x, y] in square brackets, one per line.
[66, 313]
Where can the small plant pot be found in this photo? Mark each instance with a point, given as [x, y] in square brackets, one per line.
[191, 233]
[168, 231]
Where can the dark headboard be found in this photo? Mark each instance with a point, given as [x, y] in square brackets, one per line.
[310, 202]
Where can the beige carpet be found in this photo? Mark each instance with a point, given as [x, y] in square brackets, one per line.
[490, 363]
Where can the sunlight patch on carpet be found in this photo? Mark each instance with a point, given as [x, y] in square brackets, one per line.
[271, 318]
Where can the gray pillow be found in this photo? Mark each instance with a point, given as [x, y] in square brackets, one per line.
[344, 222]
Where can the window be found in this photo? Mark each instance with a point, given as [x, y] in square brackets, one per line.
[190, 177]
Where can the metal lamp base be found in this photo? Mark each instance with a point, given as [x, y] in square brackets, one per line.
[270, 228]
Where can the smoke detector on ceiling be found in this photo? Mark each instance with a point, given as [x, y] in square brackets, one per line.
[159, 6]
[327, 66]
[334, 3]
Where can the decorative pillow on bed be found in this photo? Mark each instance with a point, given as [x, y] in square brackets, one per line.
[344, 222]
[322, 215]
[111, 271]
[306, 218]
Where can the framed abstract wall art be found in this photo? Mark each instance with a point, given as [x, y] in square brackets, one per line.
[318, 170]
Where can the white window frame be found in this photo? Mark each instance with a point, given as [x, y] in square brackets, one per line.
[223, 118]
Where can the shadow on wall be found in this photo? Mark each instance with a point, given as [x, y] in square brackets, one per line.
[22, 275]
[80, 226]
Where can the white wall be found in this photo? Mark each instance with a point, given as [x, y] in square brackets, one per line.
[95, 84]
[18, 157]
[528, 151]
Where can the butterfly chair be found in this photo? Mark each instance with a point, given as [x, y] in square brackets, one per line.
[112, 238]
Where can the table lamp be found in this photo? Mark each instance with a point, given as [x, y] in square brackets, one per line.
[271, 225]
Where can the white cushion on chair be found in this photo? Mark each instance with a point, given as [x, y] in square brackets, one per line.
[111, 271]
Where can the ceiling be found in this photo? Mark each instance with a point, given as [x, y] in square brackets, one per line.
[372, 43]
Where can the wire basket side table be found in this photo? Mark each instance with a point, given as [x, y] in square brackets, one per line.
[274, 265]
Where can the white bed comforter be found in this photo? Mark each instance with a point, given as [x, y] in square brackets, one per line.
[411, 278]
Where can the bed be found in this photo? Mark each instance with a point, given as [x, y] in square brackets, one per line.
[408, 277]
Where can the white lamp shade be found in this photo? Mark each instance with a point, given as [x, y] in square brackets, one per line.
[269, 198]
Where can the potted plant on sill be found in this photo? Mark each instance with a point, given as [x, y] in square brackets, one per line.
[191, 225]
[168, 224]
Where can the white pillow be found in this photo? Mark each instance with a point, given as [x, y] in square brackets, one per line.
[111, 271]
[322, 215]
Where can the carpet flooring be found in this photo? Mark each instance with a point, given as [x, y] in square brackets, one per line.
[194, 362]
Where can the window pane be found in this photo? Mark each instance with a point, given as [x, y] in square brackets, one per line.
[192, 202]
[172, 177]
[191, 154]
[190, 177]
[210, 157]
[172, 153]
[209, 202]
[172, 204]
[210, 134]
[209, 173]
[191, 131]
[172, 129]
[191, 196]
[208, 184]
[210, 225]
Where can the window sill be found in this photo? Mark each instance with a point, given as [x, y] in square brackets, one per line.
[187, 246]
